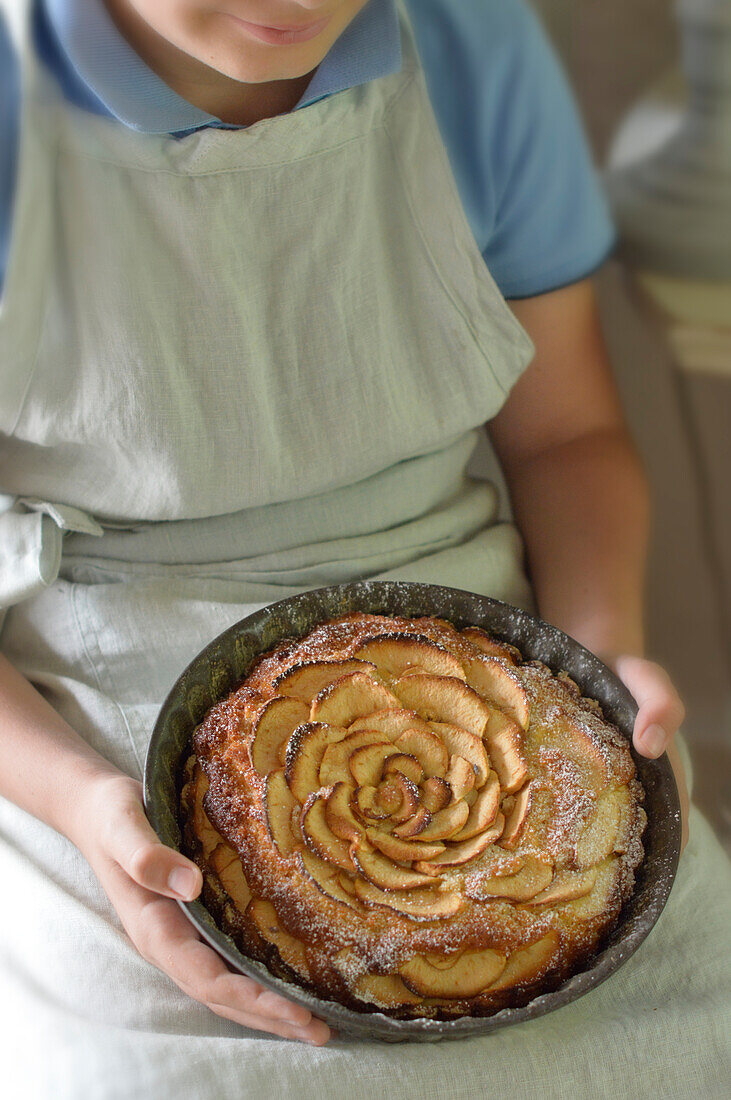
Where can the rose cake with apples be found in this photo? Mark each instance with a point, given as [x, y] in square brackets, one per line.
[404, 816]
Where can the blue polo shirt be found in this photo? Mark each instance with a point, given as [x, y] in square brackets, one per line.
[508, 120]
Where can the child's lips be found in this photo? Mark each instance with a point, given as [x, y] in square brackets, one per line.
[282, 36]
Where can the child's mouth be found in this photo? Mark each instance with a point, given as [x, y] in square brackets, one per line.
[279, 36]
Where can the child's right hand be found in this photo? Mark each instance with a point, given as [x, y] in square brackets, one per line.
[140, 876]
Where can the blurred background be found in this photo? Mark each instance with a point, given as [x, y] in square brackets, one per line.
[648, 73]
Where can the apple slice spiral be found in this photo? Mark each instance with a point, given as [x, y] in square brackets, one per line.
[419, 824]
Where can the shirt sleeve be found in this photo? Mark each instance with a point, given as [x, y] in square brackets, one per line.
[9, 108]
[516, 142]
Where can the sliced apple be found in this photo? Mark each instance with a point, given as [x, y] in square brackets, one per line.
[405, 763]
[516, 819]
[227, 865]
[603, 897]
[436, 793]
[457, 854]
[460, 776]
[598, 838]
[279, 802]
[427, 903]
[386, 990]
[409, 798]
[339, 815]
[443, 962]
[534, 876]
[589, 753]
[318, 836]
[483, 811]
[497, 683]
[404, 851]
[473, 971]
[353, 696]
[505, 748]
[459, 742]
[384, 873]
[335, 766]
[264, 917]
[395, 654]
[391, 722]
[495, 831]
[208, 837]
[415, 825]
[632, 819]
[444, 699]
[272, 728]
[347, 884]
[305, 751]
[366, 763]
[366, 805]
[296, 827]
[445, 823]
[324, 876]
[491, 647]
[566, 886]
[389, 796]
[427, 748]
[528, 964]
[306, 680]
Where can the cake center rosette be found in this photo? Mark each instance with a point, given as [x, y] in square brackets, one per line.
[396, 769]
[396, 775]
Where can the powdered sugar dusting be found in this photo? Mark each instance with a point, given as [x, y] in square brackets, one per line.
[568, 730]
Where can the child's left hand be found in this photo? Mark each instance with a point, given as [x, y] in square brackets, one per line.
[659, 717]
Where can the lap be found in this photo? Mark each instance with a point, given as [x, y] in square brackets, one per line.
[89, 1018]
[109, 1025]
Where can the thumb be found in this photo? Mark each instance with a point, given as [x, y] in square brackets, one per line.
[135, 846]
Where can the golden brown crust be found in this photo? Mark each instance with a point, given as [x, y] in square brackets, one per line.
[402, 816]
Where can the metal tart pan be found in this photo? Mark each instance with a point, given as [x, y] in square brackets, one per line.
[226, 660]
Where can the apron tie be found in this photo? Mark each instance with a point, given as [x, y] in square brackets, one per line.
[31, 537]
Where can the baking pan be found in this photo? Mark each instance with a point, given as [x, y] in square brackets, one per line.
[226, 660]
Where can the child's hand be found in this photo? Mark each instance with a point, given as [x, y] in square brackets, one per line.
[140, 875]
[659, 717]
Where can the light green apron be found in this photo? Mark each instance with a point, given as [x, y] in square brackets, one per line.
[233, 366]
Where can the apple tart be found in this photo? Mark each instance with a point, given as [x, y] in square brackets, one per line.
[404, 816]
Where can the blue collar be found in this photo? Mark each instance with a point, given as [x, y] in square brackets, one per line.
[103, 72]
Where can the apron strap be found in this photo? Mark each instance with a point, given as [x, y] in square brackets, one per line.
[31, 536]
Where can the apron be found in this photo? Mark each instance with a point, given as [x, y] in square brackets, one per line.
[234, 366]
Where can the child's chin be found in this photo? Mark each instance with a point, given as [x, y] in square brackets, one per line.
[259, 63]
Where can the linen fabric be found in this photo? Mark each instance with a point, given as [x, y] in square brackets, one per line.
[190, 431]
[503, 105]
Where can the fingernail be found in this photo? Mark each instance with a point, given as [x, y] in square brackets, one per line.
[183, 881]
[312, 1041]
[653, 741]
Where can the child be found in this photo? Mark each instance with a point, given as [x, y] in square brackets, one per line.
[248, 338]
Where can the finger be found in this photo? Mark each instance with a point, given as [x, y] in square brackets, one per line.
[661, 710]
[166, 938]
[316, 1034]
[199, 970]
[133, 843]
[192, 964]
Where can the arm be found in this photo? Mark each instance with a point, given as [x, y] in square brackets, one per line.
[48, 770]
[581, 501]
[9, 114]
